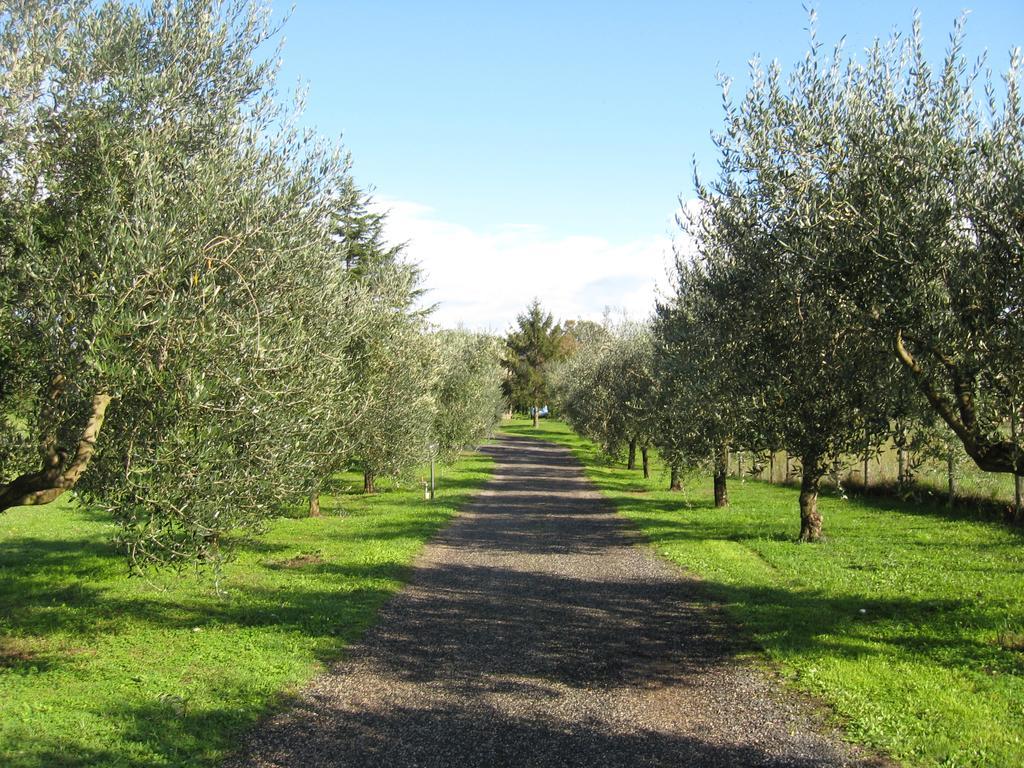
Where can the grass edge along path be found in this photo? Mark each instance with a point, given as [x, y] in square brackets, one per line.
[908, 622]
[100, 669]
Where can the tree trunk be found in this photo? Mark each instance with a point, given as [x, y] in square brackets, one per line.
[631, 464]
[314, 503]
[721, 477]
[369, 481]
[58, 474]
[785, 477]
[771, 467]
[867, 457]
[739, 464]
[1017, 490]
[646, 462]
[901, 468]
[991, 455]
[1018, 493]
[721, 489]
[536, 416]
[810, 517]
[675, 482]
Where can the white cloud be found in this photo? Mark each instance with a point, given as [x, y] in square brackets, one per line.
[484, 279]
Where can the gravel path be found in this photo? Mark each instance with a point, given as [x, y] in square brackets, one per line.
[534, 633]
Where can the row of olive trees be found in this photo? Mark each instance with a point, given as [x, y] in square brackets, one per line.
[200, 320]
[637, 385]
[609, 391]
[859, 267]
[858, 279]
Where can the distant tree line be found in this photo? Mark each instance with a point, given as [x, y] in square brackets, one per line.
[200, 317]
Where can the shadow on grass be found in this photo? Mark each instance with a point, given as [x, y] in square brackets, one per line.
[947, 631]
[62, 587]
[37, 574]
[51, 590]
[544, 629]
[329, 605]
[965, 510]
[87, 611]
[476, 623]
[164, 732]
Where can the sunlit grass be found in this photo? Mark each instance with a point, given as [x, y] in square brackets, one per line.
[100, 669]
[908, 621]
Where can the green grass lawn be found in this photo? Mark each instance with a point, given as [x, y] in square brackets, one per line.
[908, 621]
[100, 669]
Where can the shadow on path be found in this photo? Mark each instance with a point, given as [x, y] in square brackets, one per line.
[535, 633]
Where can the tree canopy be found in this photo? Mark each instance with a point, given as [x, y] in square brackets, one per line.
[854, 235]
[531, 349]
[201, 318]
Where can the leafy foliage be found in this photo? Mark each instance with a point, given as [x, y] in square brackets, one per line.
[531, 349]
[167, 251]
[389, 431]
[467, 391]
[847, 221]
[607, 389]
[201, 319]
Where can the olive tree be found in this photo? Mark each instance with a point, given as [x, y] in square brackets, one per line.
[936, 236]
[607, 391]
[627, 365]
[467, 391]
[875, 206]
[175, 317]
[769, 235]
[699, 371]
[395, 372]
[582, 397]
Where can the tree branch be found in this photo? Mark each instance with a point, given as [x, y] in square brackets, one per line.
[990, 455]
[55, 477]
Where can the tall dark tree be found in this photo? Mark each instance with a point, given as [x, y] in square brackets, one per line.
[530, 349]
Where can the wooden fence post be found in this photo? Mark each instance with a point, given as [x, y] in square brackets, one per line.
[951, 476]
[867, 456]
[1016, 478]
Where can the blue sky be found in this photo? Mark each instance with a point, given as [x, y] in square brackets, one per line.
[553, 139]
